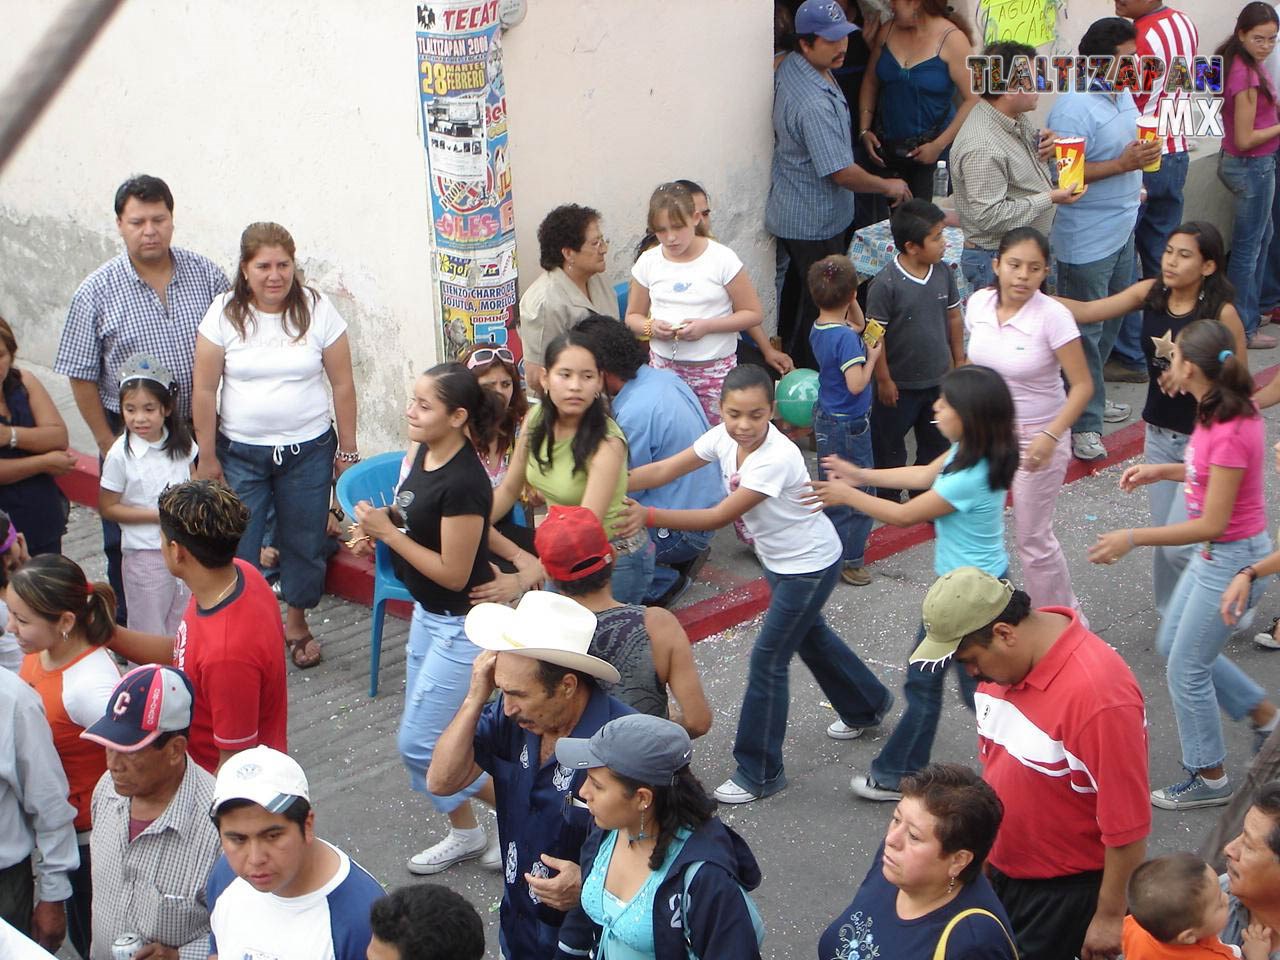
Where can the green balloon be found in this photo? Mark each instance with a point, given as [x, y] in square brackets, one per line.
[797, 393]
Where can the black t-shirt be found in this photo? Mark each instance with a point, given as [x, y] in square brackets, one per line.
[1172, 413]
[460, 488]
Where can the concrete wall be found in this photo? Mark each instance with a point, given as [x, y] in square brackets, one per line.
[308, 114]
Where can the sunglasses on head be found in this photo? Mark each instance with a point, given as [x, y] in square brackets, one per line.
[488, 355]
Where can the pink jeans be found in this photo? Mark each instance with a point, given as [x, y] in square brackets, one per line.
[704, 379]
[1035, 496]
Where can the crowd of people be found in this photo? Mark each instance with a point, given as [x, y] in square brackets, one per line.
[156, 812]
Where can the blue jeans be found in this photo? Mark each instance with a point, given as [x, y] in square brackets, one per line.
[1269, 296]
[296, 480]
[976, 264]
[1157, 218]
[1252, 182]
[908, 747]
[849, 438]
[1191, 639]
[438, 659]
[889, 426]
[1093, 281]
[673, 547]
[1168, 506]
[794, 624]
[632, 573]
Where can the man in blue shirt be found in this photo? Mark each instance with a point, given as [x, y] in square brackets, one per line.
[814, 177]
[661, 417]
[1092, 238]
[536, 657]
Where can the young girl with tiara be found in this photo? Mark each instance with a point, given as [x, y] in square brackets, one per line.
[155, 451]
[1223, 477]
[690, 297]
[965, 490]
[1192, 286]
[436, 531]
[801, 553]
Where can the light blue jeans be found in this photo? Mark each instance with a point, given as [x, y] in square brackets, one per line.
[1191, 639]
[438, 662]
[1168, 505]
[632, 574]
[1093, 281]
[1252, 182]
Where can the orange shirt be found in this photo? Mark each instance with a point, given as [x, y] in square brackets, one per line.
[1140, 945]
[75, 696]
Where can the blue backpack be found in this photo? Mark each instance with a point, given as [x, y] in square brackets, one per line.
[757, 923]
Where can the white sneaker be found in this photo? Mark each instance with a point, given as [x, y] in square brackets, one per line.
[730, 792]
[452, 849]
[1114, 412]
[1088, 446]
[1267, 640]
[866, 787]
[491, 859]
[842, 731]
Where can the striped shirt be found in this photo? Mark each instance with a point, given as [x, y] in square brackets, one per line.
[1000, 182]
[116, 314]
[154, 885]
[812, 140]
[1165, 33]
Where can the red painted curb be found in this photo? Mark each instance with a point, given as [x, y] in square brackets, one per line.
[352, 578]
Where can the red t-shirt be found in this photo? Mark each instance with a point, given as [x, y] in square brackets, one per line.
[1164, 34]
[1066, 752]
[234, 655]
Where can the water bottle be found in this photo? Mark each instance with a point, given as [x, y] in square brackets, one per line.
[941, 181]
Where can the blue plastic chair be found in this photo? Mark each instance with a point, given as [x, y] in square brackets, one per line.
[622, 291]
[375, 480]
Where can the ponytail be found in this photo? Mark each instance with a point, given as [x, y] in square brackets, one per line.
[52, 585]
[1211, 347]
[458, 389]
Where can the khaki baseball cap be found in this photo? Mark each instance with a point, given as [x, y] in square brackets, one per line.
[957, 604]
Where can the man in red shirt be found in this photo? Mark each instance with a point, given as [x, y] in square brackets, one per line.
[1062, 740]
[231, 639]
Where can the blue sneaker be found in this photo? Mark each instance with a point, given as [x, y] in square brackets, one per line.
[1191, 794]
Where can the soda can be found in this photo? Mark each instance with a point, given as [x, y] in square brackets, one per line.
[125, 946]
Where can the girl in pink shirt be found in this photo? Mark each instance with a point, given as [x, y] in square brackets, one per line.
[1031, 341]
[1222, 477]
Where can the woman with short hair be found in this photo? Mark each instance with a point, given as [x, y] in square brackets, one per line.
[925, 888]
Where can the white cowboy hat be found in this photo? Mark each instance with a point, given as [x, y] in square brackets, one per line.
[544, 626]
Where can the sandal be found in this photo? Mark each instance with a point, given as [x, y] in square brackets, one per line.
[298, 647]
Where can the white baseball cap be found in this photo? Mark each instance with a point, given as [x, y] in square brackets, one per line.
[267, 777]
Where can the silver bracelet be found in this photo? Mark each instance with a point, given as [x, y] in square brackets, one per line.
[345, 456]
[13, 437]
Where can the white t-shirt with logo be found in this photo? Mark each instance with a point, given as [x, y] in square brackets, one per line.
[690, 291]
[789, 537]
[140, 475]
[273, 386]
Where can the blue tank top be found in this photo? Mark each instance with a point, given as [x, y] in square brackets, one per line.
[626, 926]
[915, 100]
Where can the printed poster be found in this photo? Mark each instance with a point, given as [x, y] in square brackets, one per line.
[464, 128]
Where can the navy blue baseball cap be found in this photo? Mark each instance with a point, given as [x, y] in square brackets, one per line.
[148, 701]
[638, 746]
[824, 18]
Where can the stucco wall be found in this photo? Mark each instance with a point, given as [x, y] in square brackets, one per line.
[308, 114]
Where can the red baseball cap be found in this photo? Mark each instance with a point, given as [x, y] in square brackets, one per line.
[571, 544]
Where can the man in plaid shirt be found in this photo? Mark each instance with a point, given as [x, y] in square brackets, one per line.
[149, 299]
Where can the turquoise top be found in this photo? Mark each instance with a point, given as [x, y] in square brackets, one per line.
[973, 535]
[626, 926]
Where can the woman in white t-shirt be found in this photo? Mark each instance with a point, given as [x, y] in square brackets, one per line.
[800, 551]
[271, 343]
[690, 297]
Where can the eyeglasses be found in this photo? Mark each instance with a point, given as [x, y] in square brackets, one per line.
[1263, 41]
[599, 243]
[488, 355]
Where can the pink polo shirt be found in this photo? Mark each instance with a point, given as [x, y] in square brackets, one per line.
[1022, 350]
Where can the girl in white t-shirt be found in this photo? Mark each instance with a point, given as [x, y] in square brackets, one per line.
[272, 343]
[800, 551]
[154, 452]
[690, 297]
